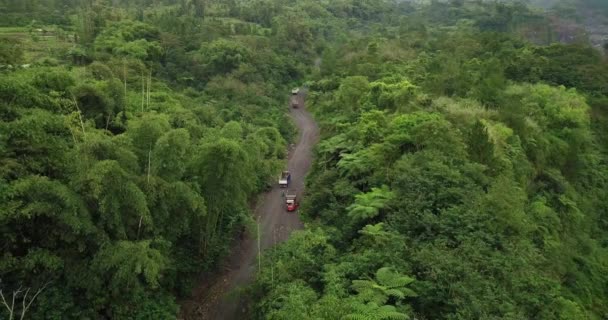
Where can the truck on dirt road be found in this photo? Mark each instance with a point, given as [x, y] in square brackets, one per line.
[294, 102]
[284, 179]
[291, 201]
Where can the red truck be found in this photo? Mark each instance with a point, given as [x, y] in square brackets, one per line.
[291, 201]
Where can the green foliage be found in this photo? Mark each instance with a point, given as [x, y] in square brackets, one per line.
[121, 205]
[369, 204]
[35, 143]
[36, 197]
[144, 133]
[457, 152]
[222, 170]
[10, 52]
[99, 101]
[351, 90]
[389, 96]
[557, 130]
[170, 154]
[302, 257]
[53, 80]
[454, 150]
[294, 300]
[372, 311]
[387, 284]
[481, 148]
[129, 263]
[222, 56]
[293, 30]
[109, 156]
[132, 39]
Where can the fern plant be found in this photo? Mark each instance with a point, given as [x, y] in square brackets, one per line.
[372, 311]
[368, 205]
[388, 283]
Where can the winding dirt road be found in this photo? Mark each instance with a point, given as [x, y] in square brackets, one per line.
[221, 298]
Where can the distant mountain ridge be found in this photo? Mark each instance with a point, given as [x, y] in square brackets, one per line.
[576, 20]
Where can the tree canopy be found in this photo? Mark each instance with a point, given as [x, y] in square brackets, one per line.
[461, 173]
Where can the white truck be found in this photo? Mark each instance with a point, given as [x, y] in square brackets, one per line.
[294, 101]
[284, 179]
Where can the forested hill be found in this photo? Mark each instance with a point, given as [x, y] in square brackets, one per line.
[133, 137]
[461, 173]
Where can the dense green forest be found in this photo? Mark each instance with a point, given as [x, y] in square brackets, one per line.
[462, 171]
[462, 175]
[132, 139]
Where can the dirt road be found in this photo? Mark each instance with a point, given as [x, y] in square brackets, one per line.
[220, 299]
